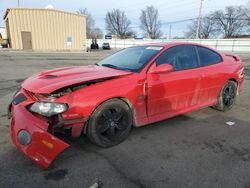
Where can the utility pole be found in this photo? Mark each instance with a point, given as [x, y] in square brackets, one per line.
[170, 30]
[199, 21]
[18, 3]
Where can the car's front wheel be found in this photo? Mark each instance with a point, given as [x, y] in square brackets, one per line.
[110, 123]
[227, 96]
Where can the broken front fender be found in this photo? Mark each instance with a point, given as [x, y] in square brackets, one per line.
[35, 142]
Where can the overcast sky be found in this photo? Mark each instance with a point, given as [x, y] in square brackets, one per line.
[169, 10]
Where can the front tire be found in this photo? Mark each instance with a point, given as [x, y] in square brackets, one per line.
[227, 96]
[110, 123]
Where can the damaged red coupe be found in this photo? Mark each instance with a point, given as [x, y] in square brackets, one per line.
[133, 87]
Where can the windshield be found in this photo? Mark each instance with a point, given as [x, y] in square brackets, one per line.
[132, 59]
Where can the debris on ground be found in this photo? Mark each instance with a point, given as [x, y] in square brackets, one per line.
[98, 184]
[230, 123]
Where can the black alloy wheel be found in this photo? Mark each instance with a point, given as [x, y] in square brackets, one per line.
[110, 123]
[227, 96]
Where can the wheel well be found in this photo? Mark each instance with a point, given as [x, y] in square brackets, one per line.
[237, 85]
[130, 105]
[234, 80]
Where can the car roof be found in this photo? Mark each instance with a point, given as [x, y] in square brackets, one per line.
[168, 44]
[172, 44]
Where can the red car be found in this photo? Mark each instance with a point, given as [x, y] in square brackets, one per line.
[133, 87]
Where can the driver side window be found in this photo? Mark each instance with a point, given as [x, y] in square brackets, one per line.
[180, 57]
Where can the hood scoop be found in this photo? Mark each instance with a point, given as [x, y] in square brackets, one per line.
[51, 76]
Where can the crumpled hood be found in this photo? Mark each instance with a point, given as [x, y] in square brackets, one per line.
[49, 81]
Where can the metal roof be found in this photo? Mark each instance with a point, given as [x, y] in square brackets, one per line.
[41, 9]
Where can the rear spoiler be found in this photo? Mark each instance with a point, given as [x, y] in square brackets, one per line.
[236, 57]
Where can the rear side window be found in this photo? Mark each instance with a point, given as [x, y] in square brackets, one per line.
[180, 57]
[208, 57]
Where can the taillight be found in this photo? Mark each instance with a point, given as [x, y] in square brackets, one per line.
[241, 72]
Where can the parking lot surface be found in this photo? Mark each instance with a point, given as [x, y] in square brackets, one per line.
[197, 149]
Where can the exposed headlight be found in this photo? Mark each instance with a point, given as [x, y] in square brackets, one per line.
[48, 109]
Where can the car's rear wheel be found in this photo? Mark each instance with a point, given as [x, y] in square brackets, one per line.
[227, 96]
[110, 123]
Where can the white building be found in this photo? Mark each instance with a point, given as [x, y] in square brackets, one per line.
[3, 32]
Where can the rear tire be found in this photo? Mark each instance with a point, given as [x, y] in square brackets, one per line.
[227, 96]
[110, 123]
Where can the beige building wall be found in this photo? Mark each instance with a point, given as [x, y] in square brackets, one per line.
[50, 29]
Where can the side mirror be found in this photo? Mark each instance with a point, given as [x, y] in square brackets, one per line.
[163, 68]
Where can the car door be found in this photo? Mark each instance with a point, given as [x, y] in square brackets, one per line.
[211, 82]
[177, 91]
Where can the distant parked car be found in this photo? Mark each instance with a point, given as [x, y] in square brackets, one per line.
[105, 46]
[4, 43]
[94, 44]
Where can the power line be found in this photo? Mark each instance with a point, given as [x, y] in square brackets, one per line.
[183, 13]
[165, 23]
[178, 21]
[186, 12]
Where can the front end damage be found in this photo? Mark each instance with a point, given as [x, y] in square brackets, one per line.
[47, 106]
[34, 135]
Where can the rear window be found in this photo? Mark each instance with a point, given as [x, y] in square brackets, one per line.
[208, 57]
